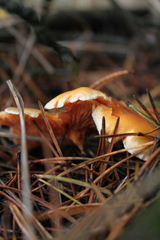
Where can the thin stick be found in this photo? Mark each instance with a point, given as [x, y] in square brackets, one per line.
[50, 130]
[146, 164]
[153, 105]
[24, 160]
[105, 80]
[145, 109]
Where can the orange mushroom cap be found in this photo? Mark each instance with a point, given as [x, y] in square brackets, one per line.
[73, 96]
[10, 117]
[130, 122]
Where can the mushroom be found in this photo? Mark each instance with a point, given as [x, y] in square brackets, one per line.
[10, 117]
[76, 109]
[130, 122]
[79, 112]
[72, 118]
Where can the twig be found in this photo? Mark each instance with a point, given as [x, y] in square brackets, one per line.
[24, 160]
[153, 105]
[24, 57]
[37, 54]
[105, 80]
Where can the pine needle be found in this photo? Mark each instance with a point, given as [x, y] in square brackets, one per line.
[24, 160]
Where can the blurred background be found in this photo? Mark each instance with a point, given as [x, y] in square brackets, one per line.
[50, 46]
[105, 36]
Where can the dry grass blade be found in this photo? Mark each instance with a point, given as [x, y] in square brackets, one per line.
[55, 211]
[24, 57]
[12, 198]
[105, 80]
[16, 136]
[21, 221]
[53, 193]
[59, 160]
[110, 148]
[46, 140]
[96, 159]
[27, 80]
[50, 130]
[115, 232]
[74, 209]
[75, 181]
[118, 135]
[99, 194]
[146, 110]
[128, 134]
[102, 142]
[37, 54]
[24, 158]
[60, 191]
[146, 116]
[17, 202]
[107, 171]
[154, 155]
[153, 106]
[115, 213]
[154, 92]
